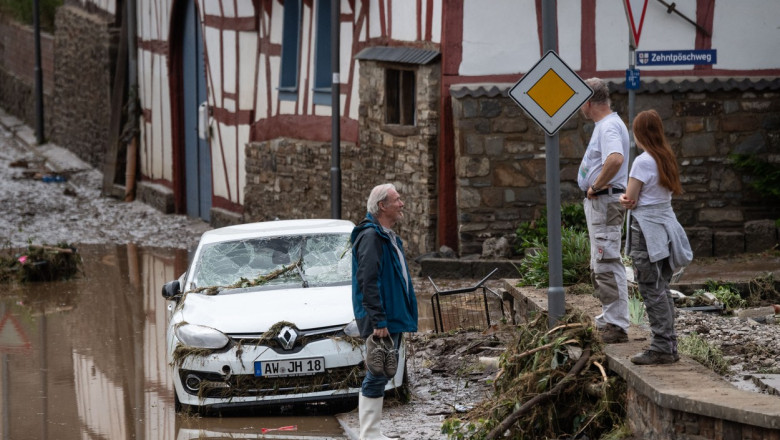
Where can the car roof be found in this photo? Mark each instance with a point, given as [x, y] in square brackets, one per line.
[277, 228]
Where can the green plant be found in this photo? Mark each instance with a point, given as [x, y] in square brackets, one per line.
[572, 216]
[726, 294]
[765, 176]
[575, 255]
[636, 309]
[22, 11]
[703, 352]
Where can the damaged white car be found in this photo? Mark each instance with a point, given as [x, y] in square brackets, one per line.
[264, 316]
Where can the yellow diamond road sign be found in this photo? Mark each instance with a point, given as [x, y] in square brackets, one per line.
[550, 92]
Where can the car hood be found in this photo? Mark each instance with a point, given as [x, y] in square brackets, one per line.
[257, 311]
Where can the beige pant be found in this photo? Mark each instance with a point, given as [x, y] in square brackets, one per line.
[605, 216]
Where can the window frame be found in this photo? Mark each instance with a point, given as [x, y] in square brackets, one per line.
[289, 64]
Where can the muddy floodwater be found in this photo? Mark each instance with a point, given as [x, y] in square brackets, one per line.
[85, 358]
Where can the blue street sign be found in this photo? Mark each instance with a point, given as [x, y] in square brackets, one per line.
[676, 57]
[632, 79]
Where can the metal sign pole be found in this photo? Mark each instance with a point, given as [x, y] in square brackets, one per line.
[556, 302]
[631, 143]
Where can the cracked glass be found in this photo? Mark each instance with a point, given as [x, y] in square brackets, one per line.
[281, 262]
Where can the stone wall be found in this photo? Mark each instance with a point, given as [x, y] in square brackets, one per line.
[289, 178]
[17, 73]
[86, 46]
[501, 169]
[653, 422]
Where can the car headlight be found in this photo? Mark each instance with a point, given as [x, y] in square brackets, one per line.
[351, 329]
[200, 336]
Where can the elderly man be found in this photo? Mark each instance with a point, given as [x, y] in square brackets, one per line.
[603, 176]
[382, 298]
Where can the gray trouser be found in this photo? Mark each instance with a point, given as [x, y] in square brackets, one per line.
[653, 280]
[605, 221]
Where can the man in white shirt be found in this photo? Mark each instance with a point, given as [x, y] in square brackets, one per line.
[603, 176]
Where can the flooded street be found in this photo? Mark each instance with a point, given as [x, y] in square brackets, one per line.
[85, 358]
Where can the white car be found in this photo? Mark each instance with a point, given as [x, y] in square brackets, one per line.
[264, 316]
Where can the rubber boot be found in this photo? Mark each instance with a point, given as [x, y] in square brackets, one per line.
[370, 412]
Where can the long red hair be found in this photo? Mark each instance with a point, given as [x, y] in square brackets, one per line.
[649, 133]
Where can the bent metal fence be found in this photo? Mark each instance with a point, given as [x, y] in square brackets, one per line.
[464, 308]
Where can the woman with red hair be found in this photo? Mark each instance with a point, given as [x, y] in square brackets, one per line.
[658, 244]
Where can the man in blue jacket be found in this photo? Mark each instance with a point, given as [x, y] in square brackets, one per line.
[382, 298]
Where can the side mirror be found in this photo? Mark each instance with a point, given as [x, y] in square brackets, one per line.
[171, 289]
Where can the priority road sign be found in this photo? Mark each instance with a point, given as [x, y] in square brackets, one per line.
[550, 92]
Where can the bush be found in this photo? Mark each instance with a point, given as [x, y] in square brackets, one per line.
[572, 216]
[22, 11]
[575, 255]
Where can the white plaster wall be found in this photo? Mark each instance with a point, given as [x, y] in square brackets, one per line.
[501, 39]
[404, 21]
[218, 163]
[436, 25]
[248, 46]
[228, 60]
[374, 28]
[214, 69]
[753, 36]
[569, 42]
[611, 35]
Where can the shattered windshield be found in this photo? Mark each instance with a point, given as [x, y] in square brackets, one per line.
[287, 261]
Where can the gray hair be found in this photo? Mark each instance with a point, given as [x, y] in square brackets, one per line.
[378, 194]
[600, 91]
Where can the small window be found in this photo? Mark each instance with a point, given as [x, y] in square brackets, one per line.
[323, 71]
[400, 97]
[291, 43]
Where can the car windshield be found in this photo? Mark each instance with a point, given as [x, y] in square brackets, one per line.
[282, 262]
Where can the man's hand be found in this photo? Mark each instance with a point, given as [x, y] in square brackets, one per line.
[381, 332]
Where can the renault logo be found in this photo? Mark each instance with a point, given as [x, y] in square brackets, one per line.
[287, 337]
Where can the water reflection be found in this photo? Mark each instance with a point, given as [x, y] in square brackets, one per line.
[85, 358]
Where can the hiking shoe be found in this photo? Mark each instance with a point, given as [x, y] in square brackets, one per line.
[651, 357]
[612, 334]
[391, 360]
[376, 353]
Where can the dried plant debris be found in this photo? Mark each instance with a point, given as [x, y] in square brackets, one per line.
[243, 283]
[551, 383]
[40, 263]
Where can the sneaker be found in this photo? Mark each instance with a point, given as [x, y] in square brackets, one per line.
[612, 334]
[375, 355]
[651, 357]
[391, 360]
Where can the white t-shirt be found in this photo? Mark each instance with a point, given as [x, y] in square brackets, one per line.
[610, 135]
[645, 169]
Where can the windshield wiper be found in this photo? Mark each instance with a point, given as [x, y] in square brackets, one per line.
[299, 268]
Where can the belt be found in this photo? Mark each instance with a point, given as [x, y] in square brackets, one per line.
[609, 191]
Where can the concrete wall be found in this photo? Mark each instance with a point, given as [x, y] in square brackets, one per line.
[501, 174]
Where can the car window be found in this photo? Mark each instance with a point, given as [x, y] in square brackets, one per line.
[288, 261]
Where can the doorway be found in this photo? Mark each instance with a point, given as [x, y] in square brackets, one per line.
[195, 183]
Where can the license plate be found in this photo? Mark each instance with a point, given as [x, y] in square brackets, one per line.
[290, 367]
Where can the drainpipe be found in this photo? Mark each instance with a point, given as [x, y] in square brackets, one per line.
[335, 107]
[39, 138]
